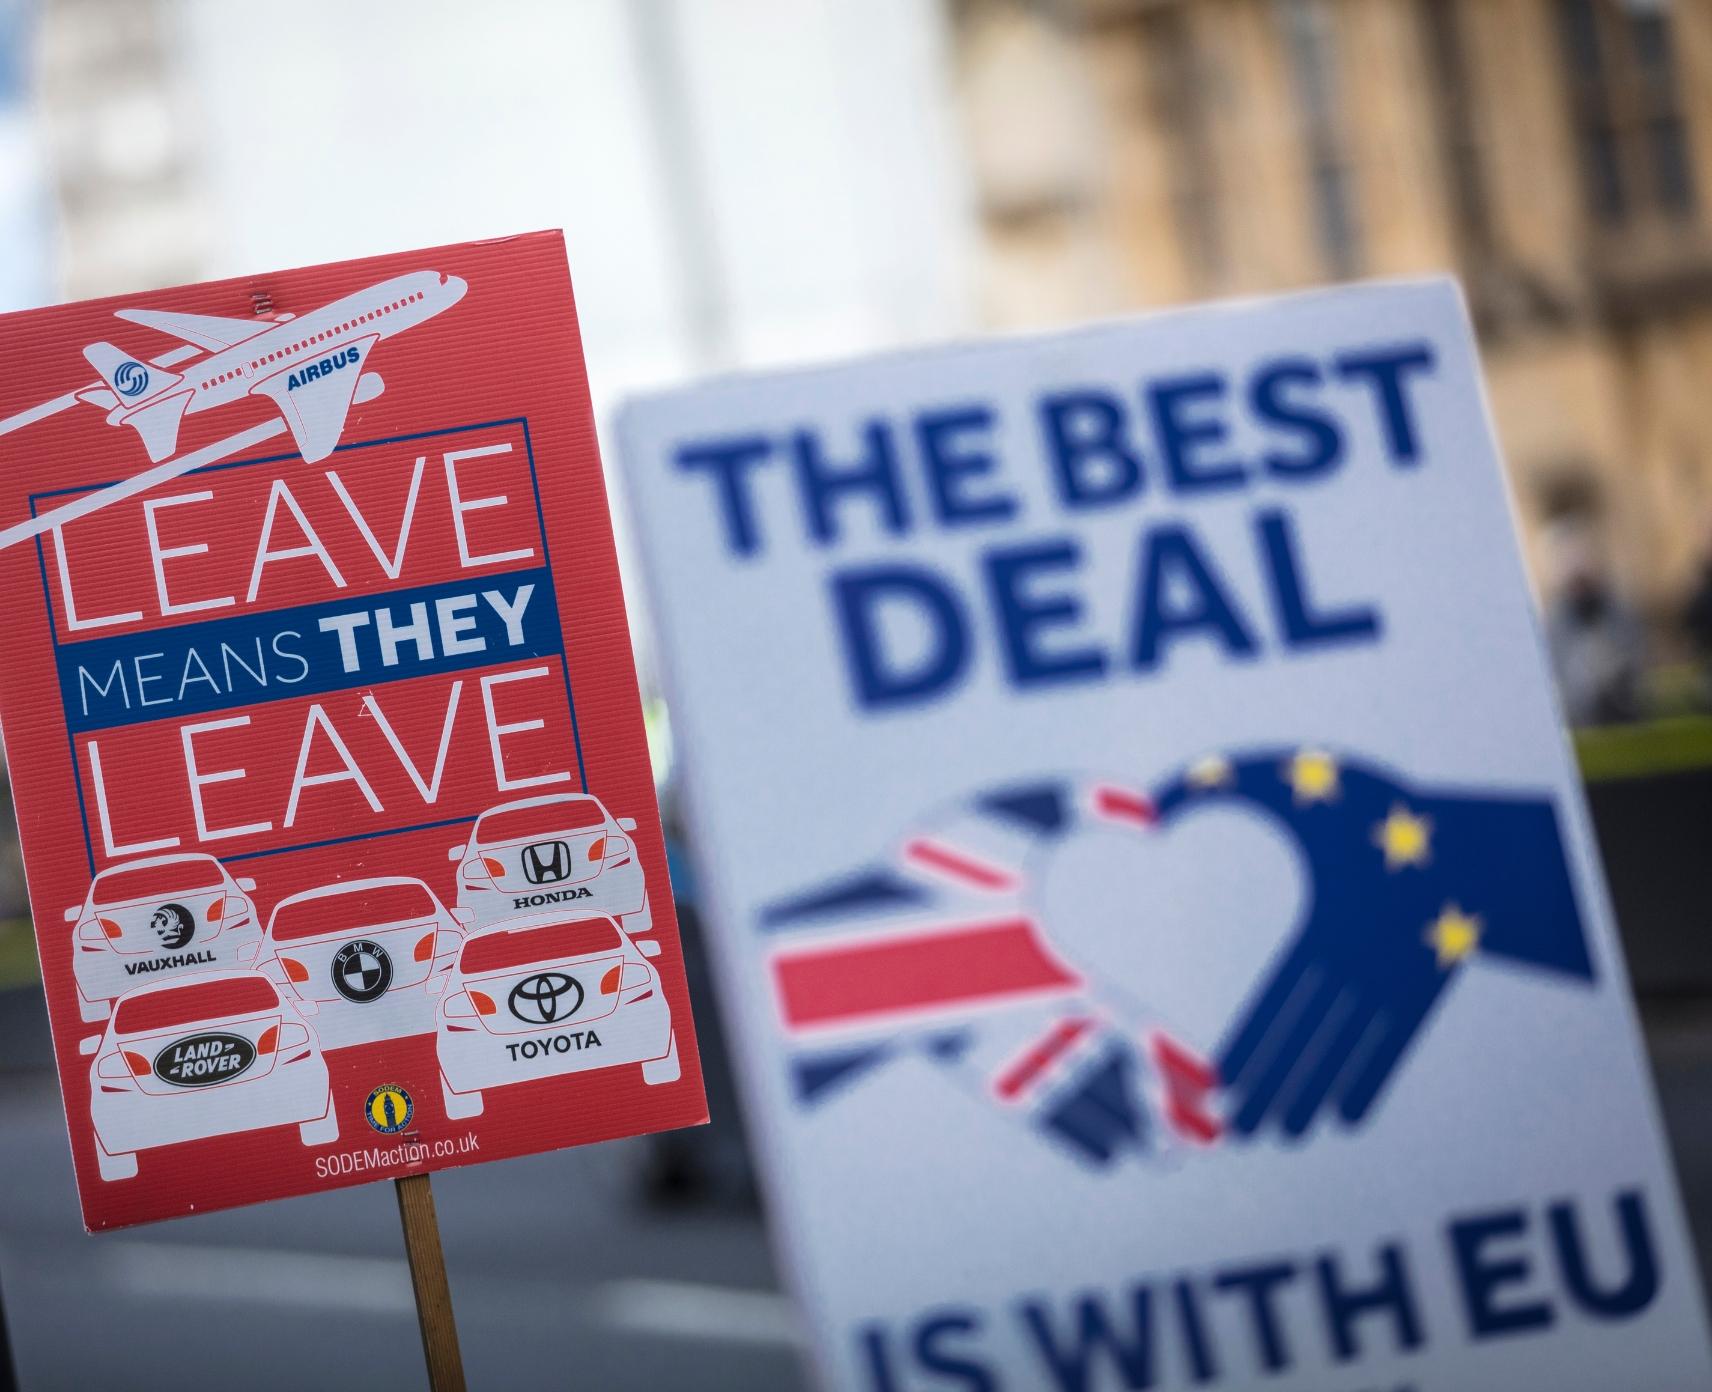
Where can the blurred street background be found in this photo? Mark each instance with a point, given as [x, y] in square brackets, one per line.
[757, 182]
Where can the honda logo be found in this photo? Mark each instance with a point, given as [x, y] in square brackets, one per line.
[547, 862]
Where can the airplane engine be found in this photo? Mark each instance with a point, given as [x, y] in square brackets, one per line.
[369, 386]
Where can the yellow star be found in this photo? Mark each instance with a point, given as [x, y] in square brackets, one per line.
[1313, 776]
[1453, 935]
[1405, 838]
[1214, 771]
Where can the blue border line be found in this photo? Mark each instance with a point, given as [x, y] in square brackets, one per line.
[564, 645]
[546, 559]
[70, 734]
[344, 840]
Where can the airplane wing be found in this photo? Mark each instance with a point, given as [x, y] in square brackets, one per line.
[315, 408]
[206, 331]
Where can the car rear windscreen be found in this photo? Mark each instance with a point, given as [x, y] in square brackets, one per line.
[190, 876]
[361, 906]
[200, 1002]
[552, 942]
[549, 819]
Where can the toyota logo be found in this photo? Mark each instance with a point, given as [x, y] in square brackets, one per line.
[542, 999]
[546, 862]
[130, 378]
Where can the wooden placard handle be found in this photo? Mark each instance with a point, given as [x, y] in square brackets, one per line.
[428, 1278]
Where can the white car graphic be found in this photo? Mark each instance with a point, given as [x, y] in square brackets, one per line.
[546, 853]
[158, 918]
[185, 1060]
[547, 995]
[364, 957]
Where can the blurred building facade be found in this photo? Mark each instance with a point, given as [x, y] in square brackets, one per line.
[1555, 154]
[120, 146]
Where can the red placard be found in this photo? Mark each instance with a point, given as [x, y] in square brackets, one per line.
[318, 674]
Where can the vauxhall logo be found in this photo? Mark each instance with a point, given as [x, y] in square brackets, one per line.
[546, 862]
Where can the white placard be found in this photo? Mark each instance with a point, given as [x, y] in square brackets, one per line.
[1152, 890]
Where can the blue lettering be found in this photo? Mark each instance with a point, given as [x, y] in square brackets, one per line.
[1091, 463]
[1383, 371]
[1259, 1283]
[1303, 626]
[1391, 1293]
[729, 462]
[1171, 560]
[1482, 1277]
[874, 475]
[1638, 1286]
[882, 677]
[1322, 442]
[872, 1342]
[954, 463]
[1076, 1364]
[1184, 438]
[1023, 614]
[930, 1351]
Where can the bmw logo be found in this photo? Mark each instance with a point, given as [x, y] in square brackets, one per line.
[389, 1109]
[362, 971]
[130, 378]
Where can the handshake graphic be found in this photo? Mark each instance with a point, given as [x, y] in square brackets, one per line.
[961, 946]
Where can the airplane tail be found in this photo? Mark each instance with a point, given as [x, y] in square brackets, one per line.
[133, 382]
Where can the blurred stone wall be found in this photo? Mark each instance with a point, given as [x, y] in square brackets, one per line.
[1555, 154]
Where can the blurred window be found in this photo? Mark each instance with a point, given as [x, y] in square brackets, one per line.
[1453, 91]
[1181, 89]
[1311, 39]
[1626, 109]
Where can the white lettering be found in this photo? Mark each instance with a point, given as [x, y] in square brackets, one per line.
[199, 780]
[496, 730]
[159, 557]
[460, 507]
[313, 545]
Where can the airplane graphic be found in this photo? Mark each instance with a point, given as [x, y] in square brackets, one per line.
[310, 366]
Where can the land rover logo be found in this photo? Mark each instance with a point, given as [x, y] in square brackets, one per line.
[204, 1059]
[174, 925]
[546, 862]
[362, 971]
[546, 997]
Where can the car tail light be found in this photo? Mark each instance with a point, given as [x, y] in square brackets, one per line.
[138, 1065]
[110, 928]
[294, 969]
[217, 910]
[484, 1004]
[269, 1040]
[90, 931]
[492, 866]
[425, 947]
[626, 976]
[597, 848]
[114, 1065]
